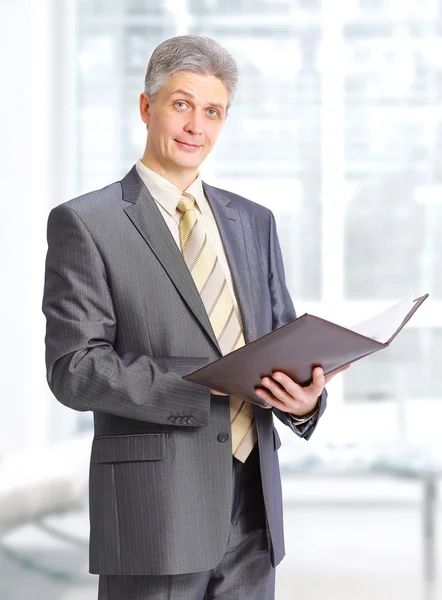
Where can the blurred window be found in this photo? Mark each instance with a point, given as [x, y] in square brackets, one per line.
[336, 126]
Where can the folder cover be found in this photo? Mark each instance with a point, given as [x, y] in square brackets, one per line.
[299, 346]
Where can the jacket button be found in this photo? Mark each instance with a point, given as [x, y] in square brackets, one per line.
[191, 420]
[223, 437]
[171, 420]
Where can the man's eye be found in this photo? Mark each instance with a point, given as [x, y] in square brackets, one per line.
[213, 112]
[180, 104]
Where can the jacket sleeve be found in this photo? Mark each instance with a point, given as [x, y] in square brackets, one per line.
[83, 370]
[283, 312]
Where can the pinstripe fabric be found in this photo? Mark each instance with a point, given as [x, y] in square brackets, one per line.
[207, 273]
[114, 276]
[244, 572]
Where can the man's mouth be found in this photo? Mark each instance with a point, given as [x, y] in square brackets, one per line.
[187, 146]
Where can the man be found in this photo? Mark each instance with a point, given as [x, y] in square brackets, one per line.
[147, 280]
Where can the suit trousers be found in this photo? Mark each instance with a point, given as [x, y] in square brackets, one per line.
[245, 571]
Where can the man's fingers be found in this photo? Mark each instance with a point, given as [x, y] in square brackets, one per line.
[267, 396]
[318, 379]
[287, 383]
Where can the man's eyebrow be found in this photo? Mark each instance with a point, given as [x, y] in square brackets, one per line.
[192, 97]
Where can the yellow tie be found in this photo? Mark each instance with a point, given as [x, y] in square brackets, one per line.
[211, 283]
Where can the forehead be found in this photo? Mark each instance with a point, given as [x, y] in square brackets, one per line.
[206, 89]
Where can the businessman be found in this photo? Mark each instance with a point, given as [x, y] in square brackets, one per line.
[147, 280]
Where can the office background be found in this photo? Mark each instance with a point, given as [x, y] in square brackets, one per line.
[339, 109]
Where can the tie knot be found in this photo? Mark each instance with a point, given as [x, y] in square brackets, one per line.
[186, 202]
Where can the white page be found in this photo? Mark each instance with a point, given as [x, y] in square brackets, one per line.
[382, 326]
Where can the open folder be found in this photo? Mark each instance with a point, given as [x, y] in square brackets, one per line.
[299, 346]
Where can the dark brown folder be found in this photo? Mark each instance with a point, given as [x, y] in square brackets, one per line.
[294, 349]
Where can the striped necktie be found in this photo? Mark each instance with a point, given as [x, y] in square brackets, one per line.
[211, 283]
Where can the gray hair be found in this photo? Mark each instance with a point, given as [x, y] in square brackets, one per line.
[194, 53]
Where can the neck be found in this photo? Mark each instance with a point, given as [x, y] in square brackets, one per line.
[181, 179]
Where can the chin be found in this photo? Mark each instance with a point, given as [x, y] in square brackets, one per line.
[194, 164]
[190, 161]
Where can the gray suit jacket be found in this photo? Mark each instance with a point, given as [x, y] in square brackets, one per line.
[124, 323]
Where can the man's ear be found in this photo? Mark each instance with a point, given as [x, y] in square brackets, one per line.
[145, 107]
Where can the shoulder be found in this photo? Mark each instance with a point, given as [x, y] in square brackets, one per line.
[246, 206]
[95, 201]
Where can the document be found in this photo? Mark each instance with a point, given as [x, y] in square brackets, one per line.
[299, 346]
[383, 326]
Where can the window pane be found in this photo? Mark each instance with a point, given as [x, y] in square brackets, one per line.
[393, 93]
[404, 370]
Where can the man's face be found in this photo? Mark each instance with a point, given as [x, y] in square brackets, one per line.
[184, 120]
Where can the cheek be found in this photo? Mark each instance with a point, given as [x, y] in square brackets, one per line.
[168, 125]
[166, 134]
[212, 133]
[175, 123]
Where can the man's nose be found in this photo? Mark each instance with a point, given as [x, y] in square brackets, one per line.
[195, 123]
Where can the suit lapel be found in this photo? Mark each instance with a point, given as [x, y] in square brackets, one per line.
[232, 233]
[147, 219]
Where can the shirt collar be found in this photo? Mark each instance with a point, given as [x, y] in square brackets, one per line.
[165, 193]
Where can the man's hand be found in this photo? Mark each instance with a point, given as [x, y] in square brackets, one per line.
[279, 391]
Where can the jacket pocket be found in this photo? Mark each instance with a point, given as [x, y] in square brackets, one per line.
[129, 448]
